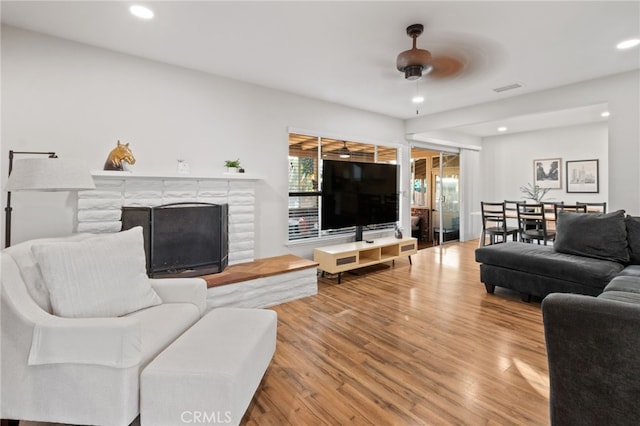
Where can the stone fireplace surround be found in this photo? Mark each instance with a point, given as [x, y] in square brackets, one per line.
[99, 210]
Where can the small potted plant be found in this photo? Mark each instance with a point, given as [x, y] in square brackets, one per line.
[232, 165]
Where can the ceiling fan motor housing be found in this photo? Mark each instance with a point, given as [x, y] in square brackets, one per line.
[414, 62]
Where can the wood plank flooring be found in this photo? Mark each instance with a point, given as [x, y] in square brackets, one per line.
[420, 344]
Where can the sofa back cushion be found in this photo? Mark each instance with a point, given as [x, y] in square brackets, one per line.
[103, 276]
[596, 235]
[30, 270]
[633, 239]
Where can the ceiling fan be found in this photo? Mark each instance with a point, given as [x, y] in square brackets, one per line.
[415, 63]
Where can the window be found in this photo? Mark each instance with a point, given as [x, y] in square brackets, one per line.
[305, 154]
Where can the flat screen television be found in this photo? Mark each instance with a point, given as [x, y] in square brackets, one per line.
[358, 194]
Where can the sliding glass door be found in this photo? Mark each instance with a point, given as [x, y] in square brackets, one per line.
[435, 195]
[446, 197]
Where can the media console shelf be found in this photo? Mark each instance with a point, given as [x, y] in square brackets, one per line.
[345, 257]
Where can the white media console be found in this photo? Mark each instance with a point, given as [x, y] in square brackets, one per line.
[345, 257]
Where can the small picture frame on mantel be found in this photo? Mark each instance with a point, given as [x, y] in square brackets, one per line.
[547, 173]
[583, 176]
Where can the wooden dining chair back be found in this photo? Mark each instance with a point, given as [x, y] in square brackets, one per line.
[595, 207]
[511, 208]
[494, 223]
[532, 224]
[574, 208]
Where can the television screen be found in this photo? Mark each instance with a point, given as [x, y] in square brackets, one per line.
[358, 194]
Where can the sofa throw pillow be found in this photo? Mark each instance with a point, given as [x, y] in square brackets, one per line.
[633, 239]
[30, 271]
[597, 235]
[104, 276]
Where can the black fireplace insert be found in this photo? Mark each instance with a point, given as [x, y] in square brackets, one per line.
[182, 239]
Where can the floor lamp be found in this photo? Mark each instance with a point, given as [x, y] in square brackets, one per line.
[42, 174]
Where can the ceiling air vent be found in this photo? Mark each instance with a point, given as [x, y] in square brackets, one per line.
[507, 87]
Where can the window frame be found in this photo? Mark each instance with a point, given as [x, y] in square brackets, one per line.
[357, 147]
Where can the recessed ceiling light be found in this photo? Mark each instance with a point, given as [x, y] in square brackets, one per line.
[628, 44]
[502, 129]
[141, 12]
[605, 114]
[417, 99]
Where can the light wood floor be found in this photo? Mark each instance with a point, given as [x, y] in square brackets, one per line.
[409, 345]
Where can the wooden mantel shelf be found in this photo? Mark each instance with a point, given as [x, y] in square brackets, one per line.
[259, 268]
[145, 175]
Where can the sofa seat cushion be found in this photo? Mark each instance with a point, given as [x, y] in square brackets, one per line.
[160, 325]
[621, 296]
[545, 261]
[624, 283]
[631, 271]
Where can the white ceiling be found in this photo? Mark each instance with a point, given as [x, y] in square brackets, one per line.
[344, 52]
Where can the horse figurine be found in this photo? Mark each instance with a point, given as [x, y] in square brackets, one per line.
[117, 156]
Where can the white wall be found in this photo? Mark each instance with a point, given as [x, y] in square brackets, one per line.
[78, 100]
[621, 92]
[506, 161]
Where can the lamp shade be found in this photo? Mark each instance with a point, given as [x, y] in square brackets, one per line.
[48, 174]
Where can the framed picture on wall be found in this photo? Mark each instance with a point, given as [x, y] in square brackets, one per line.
[582, 176]
[547, 173]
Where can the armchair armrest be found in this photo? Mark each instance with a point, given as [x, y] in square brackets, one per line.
[182, 290]
[594, 361]
[112, 342]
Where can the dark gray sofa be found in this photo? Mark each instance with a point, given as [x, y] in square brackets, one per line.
[592, 351]
[592, 342]
[590, 250]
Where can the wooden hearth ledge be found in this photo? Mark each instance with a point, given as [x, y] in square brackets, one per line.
[259, 268]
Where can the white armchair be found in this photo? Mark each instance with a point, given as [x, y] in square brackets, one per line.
[81, 370]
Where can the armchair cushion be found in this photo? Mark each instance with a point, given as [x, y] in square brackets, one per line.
[104, 276]
[595, 235]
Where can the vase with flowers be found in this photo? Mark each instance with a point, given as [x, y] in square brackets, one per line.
[534, 192]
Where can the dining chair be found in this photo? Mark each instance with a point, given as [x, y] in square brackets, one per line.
[494, 223]
[595, 207]
[550, 213]
[511, 208]
[574, 208]
[511, 212]
[532, 224]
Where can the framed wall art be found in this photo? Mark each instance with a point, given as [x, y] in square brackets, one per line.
[582, 176]
[547, 173]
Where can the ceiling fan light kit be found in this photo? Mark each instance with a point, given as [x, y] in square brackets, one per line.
[344, 151]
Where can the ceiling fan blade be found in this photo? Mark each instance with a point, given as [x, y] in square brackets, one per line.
[445, 66]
